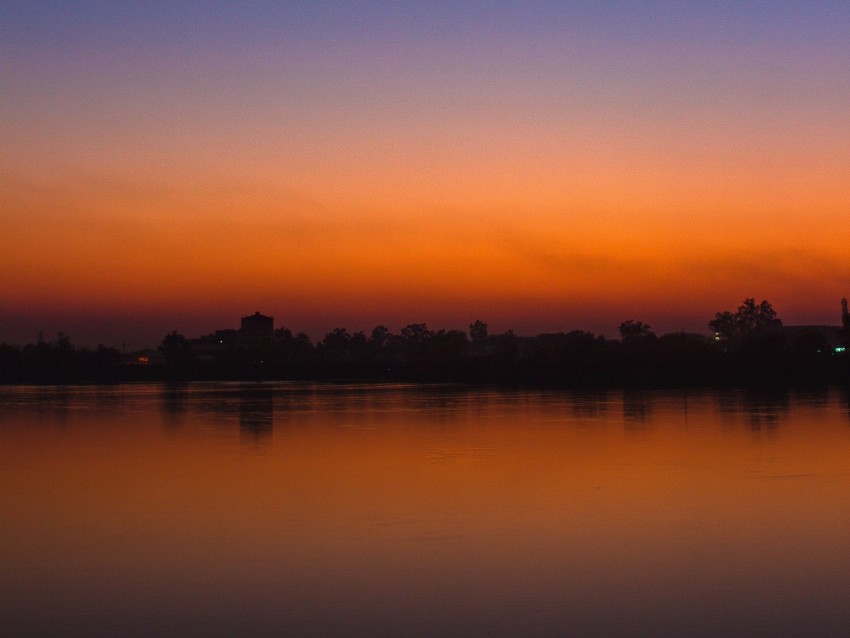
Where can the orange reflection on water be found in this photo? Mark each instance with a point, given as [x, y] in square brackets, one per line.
[321, 510]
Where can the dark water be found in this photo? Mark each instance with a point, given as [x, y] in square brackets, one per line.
[221, 510]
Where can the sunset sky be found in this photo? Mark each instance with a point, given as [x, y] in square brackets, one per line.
[542, 166]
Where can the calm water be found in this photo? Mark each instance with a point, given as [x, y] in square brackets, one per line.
[395, 511]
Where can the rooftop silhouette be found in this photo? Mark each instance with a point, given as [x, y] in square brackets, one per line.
[749, 346]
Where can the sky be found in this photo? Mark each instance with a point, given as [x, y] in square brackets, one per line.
[541, 166]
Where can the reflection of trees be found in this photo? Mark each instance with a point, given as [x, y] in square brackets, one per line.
[637, 406]
[844, 400]
[761, 409]
[108, 396]
[818, 396]
[173, 400]
[590, 406]
[54, 400]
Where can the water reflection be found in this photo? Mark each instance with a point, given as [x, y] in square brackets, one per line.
[637, 407]
[256, 415]
[760, 409]
[767, 410]
[173, 400]
[590, 406]
[400, 510]
[844, 399]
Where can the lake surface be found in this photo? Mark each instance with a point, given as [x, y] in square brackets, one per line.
[320, 510]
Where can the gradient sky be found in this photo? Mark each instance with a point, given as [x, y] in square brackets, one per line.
[542, 166]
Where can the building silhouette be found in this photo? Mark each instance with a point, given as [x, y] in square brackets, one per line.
[257, 325]
[254, 331]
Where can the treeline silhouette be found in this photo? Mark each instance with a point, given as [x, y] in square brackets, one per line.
[59, 362]
[750, 347]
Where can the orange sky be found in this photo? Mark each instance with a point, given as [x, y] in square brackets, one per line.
[541, 181]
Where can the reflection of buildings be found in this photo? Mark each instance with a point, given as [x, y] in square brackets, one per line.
[256, 415]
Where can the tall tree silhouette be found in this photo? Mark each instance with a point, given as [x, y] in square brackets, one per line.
[478, 332]
[632, 330]
[176, 348]
[748, 320]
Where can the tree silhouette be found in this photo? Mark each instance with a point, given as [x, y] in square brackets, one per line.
[380, 336]
[416, 332]
[478, 332]
[751, 318]
[635, 330]
[176, 348]
[337, 338]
